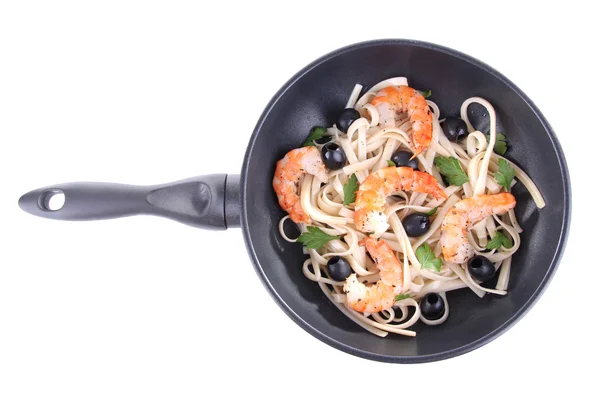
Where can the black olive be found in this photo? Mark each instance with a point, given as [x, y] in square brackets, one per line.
[432, 306]
[338, 268]
[346, 118]
[402, 159]
[481, 268]
[454, 128]
[416, 224]
[333, 156]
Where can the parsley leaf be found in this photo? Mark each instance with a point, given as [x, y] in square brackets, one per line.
[391, 163]
[426, 94]
[315, 238]
[350, 189]
[431, 212]
[316, 133]
[501, 145]
[505, 174]
[402, 296]
[427, 258]
[450, 168]
[499, 240]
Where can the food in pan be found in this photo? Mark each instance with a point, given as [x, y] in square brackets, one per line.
[398, 206]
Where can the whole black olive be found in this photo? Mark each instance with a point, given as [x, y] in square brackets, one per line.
[346, 118]
[454, 128]
[333, 156]
[416, 224]
[481, 268]
[432, 306]
[402, 159]
[338, 268]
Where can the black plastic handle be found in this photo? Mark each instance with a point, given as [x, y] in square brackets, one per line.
[208, 201]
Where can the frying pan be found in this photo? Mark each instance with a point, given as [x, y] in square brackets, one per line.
[314, 96]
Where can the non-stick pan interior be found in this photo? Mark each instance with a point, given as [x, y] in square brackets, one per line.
[314, 97]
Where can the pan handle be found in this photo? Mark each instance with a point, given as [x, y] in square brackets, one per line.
[207, 201]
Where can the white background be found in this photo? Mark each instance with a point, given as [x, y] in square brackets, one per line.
[149, 92]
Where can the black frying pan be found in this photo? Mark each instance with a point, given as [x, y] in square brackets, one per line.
[314, 96]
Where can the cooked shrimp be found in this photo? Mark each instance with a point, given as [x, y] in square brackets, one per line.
[398, 99]
[381, 295]
[466, 213]
[288, 172]
[370, 198]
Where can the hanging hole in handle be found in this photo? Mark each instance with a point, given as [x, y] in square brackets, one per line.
[51, 200]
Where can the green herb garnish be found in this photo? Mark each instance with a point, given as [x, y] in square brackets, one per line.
[500, 146]
[499, 240]
[402, 296]
[350, 189]
[427, 258]
[431, 212]
[316, 133]
[426, 94]
[315, 238]
[505, 174]
[450, 168]
[391, 163]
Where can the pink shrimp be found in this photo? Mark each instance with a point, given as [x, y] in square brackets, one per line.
[461, 218]
[288, 172]
[380, 296]
[397, 99]
[370, 198]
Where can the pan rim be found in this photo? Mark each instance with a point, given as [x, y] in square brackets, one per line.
[566, 219]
